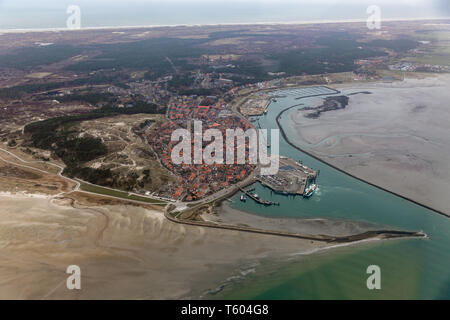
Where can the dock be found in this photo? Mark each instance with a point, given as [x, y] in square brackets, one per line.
[292, 178]
[301, 191]
[257, 200]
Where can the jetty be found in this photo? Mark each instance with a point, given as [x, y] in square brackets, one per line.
[258, 200]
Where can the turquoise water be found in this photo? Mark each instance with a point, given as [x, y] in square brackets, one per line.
[410, 268]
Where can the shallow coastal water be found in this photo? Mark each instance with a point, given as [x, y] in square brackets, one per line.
[410, 268]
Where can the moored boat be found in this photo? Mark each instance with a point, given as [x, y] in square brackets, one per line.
[310, 191]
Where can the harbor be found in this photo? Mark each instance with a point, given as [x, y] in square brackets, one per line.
[256, 198]
[341, 196]
[293, 178]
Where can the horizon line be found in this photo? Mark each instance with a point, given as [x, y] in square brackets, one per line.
[58, 29]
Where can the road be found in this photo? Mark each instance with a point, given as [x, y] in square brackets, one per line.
[76, 182]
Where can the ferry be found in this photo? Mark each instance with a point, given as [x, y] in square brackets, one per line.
[310, 191]
[243, 198]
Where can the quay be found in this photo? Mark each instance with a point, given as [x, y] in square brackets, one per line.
[292, 178]
[258, 200]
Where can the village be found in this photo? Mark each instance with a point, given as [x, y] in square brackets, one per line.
[197, 180]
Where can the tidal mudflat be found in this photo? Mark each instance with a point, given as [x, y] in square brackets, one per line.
[397, 137]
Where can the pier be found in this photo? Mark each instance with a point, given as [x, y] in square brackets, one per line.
[258, 200]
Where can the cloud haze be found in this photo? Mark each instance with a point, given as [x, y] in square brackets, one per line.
[51, 13]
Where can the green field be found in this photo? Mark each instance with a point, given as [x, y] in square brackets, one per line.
[439, 55]
[433, 59]
[438, 51]
[118, 194]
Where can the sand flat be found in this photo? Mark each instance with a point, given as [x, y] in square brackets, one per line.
[397, 137]
[124, 252]
[310, 226]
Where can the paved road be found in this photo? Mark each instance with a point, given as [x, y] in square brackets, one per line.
[220, 194]
[76, 182]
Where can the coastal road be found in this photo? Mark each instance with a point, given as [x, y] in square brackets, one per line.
[324, 238]
[76, 182]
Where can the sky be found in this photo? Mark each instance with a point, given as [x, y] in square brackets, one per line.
[20, 14]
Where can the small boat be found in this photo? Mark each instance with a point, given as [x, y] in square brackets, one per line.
[310, 191]
[256, 196]
[243, 198]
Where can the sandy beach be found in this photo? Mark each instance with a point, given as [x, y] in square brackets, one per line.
[319, 226]
[124, 252]
[256, 23]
